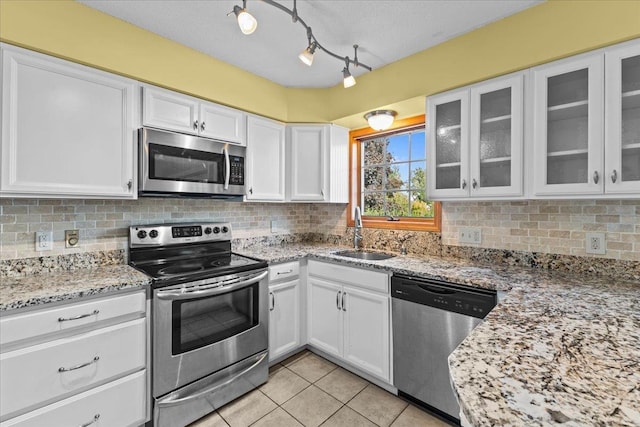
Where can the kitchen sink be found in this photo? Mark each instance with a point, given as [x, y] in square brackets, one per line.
[370, 256]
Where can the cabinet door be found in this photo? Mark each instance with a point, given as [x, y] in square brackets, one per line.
[284, 319]
[448, 145]
[622, 119]
[366, 331]
[265, 160]
[308, 149]
[168, 110]
[324, 315]
[67, 130]
[496, 138]
[568, 127]
[223, 123]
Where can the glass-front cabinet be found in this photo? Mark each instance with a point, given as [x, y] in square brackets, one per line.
[568, 127]
[622, 119]
[474, 147]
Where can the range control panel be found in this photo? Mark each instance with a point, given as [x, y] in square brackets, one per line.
[172, 234]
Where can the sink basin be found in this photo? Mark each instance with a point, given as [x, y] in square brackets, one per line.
[370, 256]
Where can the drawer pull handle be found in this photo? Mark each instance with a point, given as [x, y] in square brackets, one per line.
[344, 307]
[273, 301]
[284, 272]
[95, 419]
[82, 365]
[82, 316]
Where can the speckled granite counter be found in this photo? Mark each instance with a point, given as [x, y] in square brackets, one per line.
[37, 289]
[558, 349]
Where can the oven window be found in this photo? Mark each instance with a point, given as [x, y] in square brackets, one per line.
[203, 321]
[179, 164]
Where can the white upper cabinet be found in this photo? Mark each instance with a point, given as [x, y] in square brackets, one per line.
[568, 115]
[622, 119]
[169, 110]
[317, 163]
[475, 141]
[67, 130]
[265, 160]
[307, 145]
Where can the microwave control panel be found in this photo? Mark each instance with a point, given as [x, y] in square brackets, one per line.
[236, 177]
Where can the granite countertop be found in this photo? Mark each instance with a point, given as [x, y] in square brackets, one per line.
[558, 349]
[38, 289]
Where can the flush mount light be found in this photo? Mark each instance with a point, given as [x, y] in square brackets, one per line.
[380, 119]
[248, 25]
[246, 21]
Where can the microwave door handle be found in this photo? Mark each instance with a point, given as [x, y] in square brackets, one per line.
[227, 168]
[179, 295]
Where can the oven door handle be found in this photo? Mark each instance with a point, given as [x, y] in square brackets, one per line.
[175, 399]
[227, 167]
[179, 295]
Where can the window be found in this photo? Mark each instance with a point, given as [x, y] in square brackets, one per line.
[388, 172]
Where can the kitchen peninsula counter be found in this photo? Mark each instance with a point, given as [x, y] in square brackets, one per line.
[557, 349]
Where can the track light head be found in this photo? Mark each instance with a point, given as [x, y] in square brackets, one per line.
[246, 21]
[348, 79]
[307, 55]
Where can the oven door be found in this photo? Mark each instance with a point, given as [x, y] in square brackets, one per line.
[172, 163]
[203, 327]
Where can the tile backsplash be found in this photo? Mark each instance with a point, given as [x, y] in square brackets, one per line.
[542, 226]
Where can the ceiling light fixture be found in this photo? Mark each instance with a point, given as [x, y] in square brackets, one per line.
[246, 21]
[380, 119]
[248, 25]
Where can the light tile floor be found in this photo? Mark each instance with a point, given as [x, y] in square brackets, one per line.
[307, 390]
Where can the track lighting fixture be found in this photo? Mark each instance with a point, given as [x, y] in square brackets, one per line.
[246, 21]
[380, 119]
[248, 25]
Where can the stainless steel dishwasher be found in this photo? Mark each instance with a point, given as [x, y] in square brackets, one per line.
[430, 319]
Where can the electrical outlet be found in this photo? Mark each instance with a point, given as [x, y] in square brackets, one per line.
[596, 244]
[471, 235]
[44, 240]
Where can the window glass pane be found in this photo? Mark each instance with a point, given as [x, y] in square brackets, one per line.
[418, 178]
[374, 152]
[373, 204]
[398, 203]
[418, 150]
[397, 176]
[373, 178]
[420, 208]
[398, 148]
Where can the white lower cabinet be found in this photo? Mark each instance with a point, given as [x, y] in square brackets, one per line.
[72, 376]
[348, 316]
[284, 309]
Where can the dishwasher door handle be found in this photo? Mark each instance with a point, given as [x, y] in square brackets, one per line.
[436, 290]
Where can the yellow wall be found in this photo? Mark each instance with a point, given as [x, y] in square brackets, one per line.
[549, 31]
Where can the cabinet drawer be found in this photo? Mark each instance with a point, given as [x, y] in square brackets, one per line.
[35, 323]
[40, 373]
[118, 403]
[284, 271]
[366, 279]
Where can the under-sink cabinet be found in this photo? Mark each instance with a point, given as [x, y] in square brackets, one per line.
[165, 109]
[284, 309]
[75, 364]
[475, 141]
[586, 124]
[67, 130]
[348, 316]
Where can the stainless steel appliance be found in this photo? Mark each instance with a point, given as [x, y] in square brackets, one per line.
[177, 165]
[209, 318]
[430, 319]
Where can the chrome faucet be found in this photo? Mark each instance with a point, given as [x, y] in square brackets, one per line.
[357, 234]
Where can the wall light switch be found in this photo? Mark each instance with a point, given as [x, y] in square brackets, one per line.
[71, 238]
[44, 240]
[596, 244]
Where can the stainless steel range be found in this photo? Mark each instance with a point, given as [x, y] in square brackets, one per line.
[209, 318]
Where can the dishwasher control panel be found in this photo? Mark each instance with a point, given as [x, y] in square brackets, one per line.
[446, 296]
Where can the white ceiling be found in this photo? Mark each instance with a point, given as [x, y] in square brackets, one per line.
[385, 30]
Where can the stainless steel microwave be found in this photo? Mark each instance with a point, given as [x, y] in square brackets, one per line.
[177, 165]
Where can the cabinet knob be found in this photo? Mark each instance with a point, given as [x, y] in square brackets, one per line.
[474, 184]
[596, 177]
[129, 184]
[614, 176]
[251, 190]
[464, 184]
[202, 127]
[95, 419]
[195, 125]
